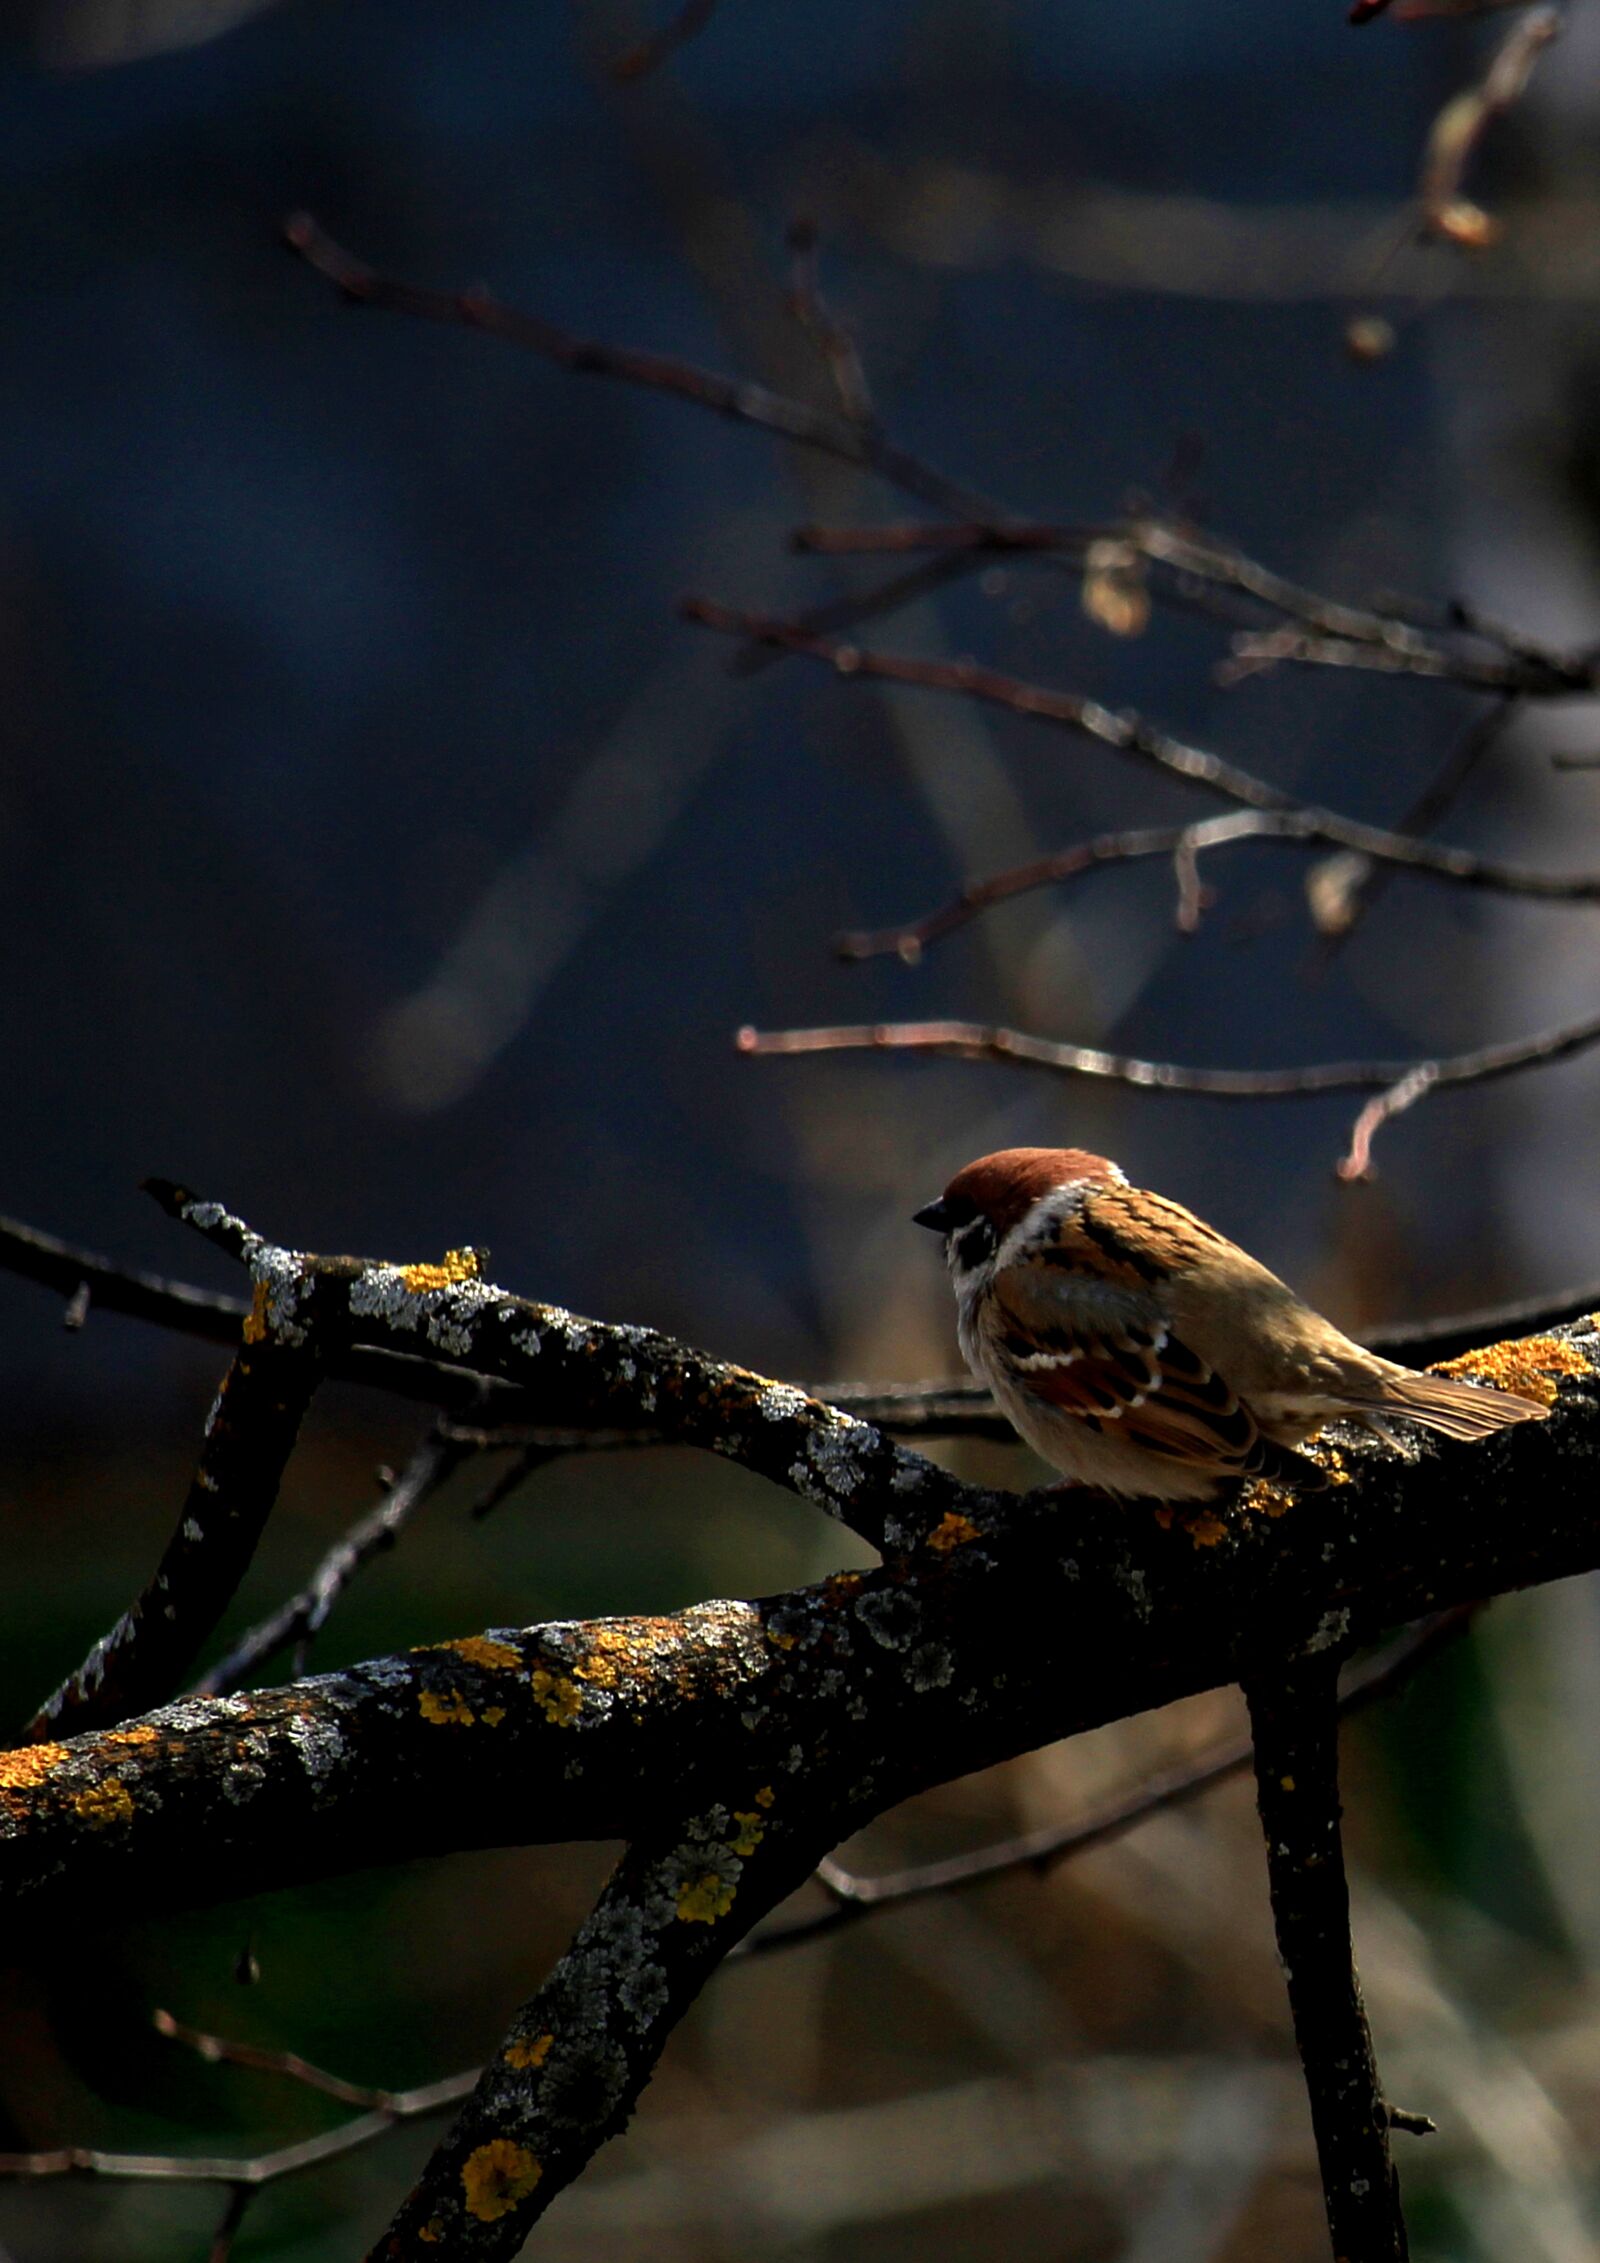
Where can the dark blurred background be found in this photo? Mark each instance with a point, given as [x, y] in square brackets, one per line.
[381, 854]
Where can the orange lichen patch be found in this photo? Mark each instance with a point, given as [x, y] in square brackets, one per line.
[633, 1648]
[448, 1711]
[459, 1265]
[26, 1769]
[481, 1650]
[255, 1327]
[531, 2054]
[432, 2231]
[702, 1900]
[1286, 1783]
[1203, 1526]
[604, 1672]
[765, 1796]
[952, 1531]
[752, 1830]
[558, 1699]
[101, 1805]
[141, 1732]
[1528, 1365]
[492, 1716]
[1328, 1458]
[841, 1587]
[497, 2176]
[781, 1641]
[1262, 1498]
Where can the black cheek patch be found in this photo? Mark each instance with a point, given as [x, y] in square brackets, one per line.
[974, 1245]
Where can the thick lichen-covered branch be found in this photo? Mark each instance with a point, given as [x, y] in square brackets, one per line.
[1007, 1628]
[585, 1372]
[578, 2054]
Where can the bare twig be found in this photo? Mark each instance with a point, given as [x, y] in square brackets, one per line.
[246, 2169]
[299, 1620]
[222, 2050]
[1125, 733]
[1185, 843]
[1399, 1083]
[69, 1270]
[1294, 1722]
[789, 419]
[234, 2212]
[817, 318]
[1347, 885]
[1192, 561]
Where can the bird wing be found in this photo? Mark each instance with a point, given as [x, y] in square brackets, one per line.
[1137, 1376]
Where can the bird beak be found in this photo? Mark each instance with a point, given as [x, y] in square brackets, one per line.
[934, 1215]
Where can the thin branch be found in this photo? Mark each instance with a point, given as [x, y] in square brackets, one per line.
[251, 2170]
[1400, 1084]
[853, 1897]
[1186, 843]
[250, 1435]
[1422, 1343]
[299, 1620]
[648, 54]
[1346, 886]
[1294, 1722]
[67, 1269]
[222, 2050]
[1195, 560]
[1126, 732]
[817, 318]
[789, 419]
[234, 2212]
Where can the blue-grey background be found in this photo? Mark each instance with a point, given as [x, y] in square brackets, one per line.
[380, 853]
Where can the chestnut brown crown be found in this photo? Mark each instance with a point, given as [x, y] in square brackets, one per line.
[1004, 1187]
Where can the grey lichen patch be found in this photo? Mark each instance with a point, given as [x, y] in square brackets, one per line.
[279, 1275]
[837, 1455]
[892, 1616]
[1331, 1629]
[615, 1962]
[1130, 1578]
[930, 1666]
[190, 1715]
[318, 1744]
[781, 1402]
[794, 1629]
[246, 1772]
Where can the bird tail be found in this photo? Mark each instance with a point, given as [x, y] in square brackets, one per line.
[1455, 1409]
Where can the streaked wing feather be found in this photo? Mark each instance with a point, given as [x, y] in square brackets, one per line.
[1158, 1393]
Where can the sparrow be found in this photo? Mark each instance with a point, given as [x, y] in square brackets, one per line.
[1144, 1354]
